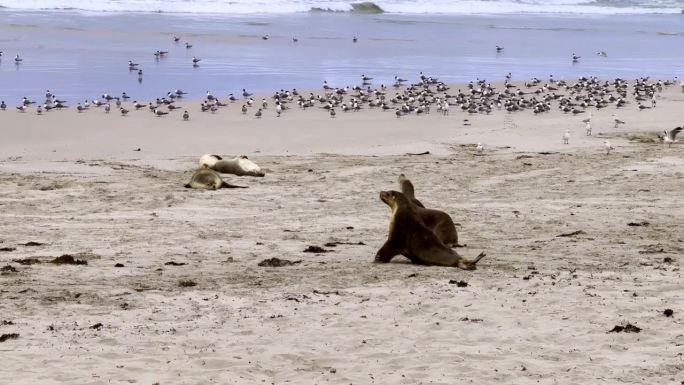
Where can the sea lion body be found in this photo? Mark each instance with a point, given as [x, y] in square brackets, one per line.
[438, 221]
[208, 179]
[240, 165]
[410, 237]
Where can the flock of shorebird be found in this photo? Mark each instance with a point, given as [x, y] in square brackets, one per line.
[420, 98]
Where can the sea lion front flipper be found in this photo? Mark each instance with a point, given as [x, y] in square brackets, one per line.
[386, 253]
[187, 185]
[228, 185]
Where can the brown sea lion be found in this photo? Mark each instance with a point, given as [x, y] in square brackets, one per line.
[438, 221]
[409, 237]
[205, 178]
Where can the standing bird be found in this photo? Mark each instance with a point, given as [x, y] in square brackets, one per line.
[186, 115]
[195, 61]
[499, 49]
[575, 58]
[3, 106]
[258, 114]
[480, 147]
[39, 110]
[108, 108]
[607, 146]
[602, 53]
[188, 45]
[566, 137]
[355, 39]
[18, 59]
[617, 121]
[159, 112]
[279, 109]
[332, 113]
[123, 111]
[588, 128]
[244, 109]
[671, 136]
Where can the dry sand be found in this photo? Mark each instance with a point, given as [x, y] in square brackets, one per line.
[538, 309]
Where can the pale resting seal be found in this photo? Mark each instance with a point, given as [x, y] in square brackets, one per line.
[409, 237]
[240, 165]
[205, 178]
[438, 221]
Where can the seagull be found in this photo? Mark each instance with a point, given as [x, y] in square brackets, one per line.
[294, 40]
[575, 58]
[22, 108]
[176, 39]
[607, 146]
[245, 94]
[265, 37]
[210, 96]
[258, 114]
[17, 59]
[159, 112]
[132, 66]
[195, 60]
[186, 115]
[365, 78]
[566, 137]
[671, 136]
[499, 49]
[355, 39]
[80, 108]
[602, 53]
[123, 111]
[188, 45]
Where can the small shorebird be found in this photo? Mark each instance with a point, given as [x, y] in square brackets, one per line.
[617, 121]
[123, 111]
[671, 136]
[186, 115]
[244, 109]
[279, 108]
[258, 114]
[575, 58]
[3, 106]
[195, 61]
[188, 45]
[265, 37]
[245, 94]
[499, 49]
[588, 128]
[159, 112]
[479, 148]
[132, 66]
[607, 146]
[332, 113]
[18, 59]
[602, 53]
[566, 137]
[355, 39]
[176, 39]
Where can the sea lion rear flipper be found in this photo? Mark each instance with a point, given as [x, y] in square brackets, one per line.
[187, 185]
[385, 254]
[228, 185]
[470, 265]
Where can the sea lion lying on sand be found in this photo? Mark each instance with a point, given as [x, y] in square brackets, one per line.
[438, 221]
[205, 178]
[240, 165]
[409, 237]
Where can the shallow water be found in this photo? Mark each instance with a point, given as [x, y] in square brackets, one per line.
[79, 55]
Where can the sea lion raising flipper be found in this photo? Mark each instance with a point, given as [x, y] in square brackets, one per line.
[409, 237]
[208, 179]
[240, 165]
[438, 221]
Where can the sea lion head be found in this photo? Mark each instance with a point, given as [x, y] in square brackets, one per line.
[209, 160]
[393, 198]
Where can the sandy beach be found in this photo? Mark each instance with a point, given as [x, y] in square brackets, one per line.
[577, 241]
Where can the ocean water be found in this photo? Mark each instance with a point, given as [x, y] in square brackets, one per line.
[232, 7]
[83, 54]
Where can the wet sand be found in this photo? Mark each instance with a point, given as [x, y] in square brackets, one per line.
[577, 242]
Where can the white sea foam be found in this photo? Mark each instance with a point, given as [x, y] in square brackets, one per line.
[242, 7]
